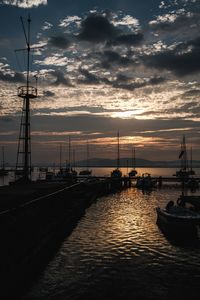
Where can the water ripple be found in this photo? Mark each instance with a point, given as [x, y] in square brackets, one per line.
[117, 251]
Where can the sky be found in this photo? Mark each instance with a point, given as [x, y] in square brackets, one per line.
[102, 67]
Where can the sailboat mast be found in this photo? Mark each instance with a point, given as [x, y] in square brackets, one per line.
[69, 152]
[184, 156]
[118, 154]
[3, 164]
[191, 160]
[87, 156]
[60, 157]
[74, 163]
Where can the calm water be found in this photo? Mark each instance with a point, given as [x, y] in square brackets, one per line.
[118, 252]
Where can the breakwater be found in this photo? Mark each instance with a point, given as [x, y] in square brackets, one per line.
[32, 227]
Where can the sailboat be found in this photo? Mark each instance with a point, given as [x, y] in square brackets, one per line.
[192, 172]
[116, 173]
[86, 172]
[66, 173]
[185, 171]
[133, 172]
[182, 217]
[3, 171]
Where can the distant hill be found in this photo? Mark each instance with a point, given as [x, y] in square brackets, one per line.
[101, 162]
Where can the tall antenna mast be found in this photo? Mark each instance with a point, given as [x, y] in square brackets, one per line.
[26, 92]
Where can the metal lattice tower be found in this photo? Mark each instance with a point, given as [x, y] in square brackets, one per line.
[26, 92]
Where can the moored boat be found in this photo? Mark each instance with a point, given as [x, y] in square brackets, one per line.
[181, 217]
[145, 182]
[133, 172]
[185, 171]
[116, 173]
[178, 218]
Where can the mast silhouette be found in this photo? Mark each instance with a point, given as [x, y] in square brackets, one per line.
[118, 153]
[133, 172]
[26, 92]
[69, 157]
[116, 172]
[86, 171]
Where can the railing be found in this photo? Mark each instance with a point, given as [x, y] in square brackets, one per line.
[24, 91]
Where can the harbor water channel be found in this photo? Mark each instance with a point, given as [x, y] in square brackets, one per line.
[117, 251]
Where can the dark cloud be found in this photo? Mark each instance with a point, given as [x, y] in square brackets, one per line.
[129, 39]
[182, 60]
[59, 42]
[89, 78]
[156, 80]
[80, 108]
[60, 78]
[110, 57]
[48, 93]
[97, 28]
[122, 77]
[136, 85]
[109, 125]
[191, 93]
[17, 77]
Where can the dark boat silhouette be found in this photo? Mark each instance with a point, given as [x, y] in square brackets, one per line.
[180, 217]
[145, 182]
[186, 172]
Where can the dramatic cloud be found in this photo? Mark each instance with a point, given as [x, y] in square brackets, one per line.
[138, 84]
[58, 42]
[60, 78]
[129, 39]
[89, 78]
[24, 3]
[48, 94]
[109, 58]
[104, 69]
[183, 59]
[97, 28]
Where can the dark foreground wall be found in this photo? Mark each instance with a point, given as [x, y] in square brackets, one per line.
[31, 234]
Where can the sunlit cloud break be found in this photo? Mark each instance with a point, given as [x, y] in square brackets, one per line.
[24, 3]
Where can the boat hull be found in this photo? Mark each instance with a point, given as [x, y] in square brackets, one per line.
[177, 222]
